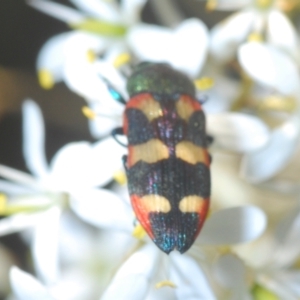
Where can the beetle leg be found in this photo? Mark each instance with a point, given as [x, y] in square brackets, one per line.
[124, 159]
[209, 140]
[118, 131]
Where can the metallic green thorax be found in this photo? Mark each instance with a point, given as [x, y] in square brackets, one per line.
[160, 79]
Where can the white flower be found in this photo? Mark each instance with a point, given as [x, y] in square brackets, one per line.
[72, 57]
[229, 226]
[265, 44]
[39, 199]
[273, 274]
[258, 17]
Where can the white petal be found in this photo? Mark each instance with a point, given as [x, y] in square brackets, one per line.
[45, 246]
[190, 280]
[282, 33]
[81, 165]
[184, 47]
[19, 222]
[286, 284]
[132, 279]
[233, 225]
[270, 66]
[237, 131]
[56, 10]
[102, 126]
[231, 273]
[34, 139]
[288, 240]
[265, 163]
[103, 10]
[229, 34]
[131, 10]
[103, 209]
[80, 74]
[26, 287]
[51, 57]
[18, 177]
[12, 189]
[232, 4]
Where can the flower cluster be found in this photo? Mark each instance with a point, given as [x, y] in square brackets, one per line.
[74, 213]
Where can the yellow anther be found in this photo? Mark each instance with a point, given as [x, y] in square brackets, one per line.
[204, 83]
[165, 283]
[139, 232]
[260, 293]
[264, 3]
[120, 177]
[3, 204]
[121, 60]
[91, 56]
[277, 103]
[224, 250]
[88, 113]
[211, 5]
[255, 37]
[46, 79]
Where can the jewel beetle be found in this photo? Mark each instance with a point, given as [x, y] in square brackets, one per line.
[168, 164]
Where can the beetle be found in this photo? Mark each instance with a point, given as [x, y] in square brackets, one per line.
[168, 164]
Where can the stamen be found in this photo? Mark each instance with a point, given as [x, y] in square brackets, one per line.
[204, 83]
[139, 232]
[3, 204]
[88, 113]
[46, 79]
[121, 60]
[255, 37]
[211, 5]
[165, 283]
[91, 56]
[120, 177]
[277, 103]
[100, 27]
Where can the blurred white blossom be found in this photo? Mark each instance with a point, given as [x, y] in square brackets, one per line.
[38, 200]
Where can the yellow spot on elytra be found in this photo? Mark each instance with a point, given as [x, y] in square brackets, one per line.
[88, 113]
[3, 204]
[261, 293]
[120, 177]
[184, 109]
[191, 153]
[204, 83]
[150, 108]
[155, 203]
[190, 204]
[139, 232]
[121, 60]
[278, 103]
[255, 37]
[211, 5]
[165, 283]
[150, 152]
[91, 56]
[46, 79]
